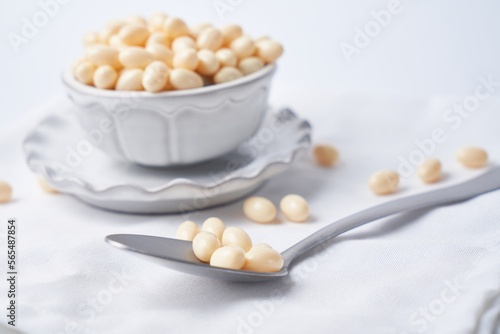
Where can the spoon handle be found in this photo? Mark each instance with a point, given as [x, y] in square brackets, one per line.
[488, 181]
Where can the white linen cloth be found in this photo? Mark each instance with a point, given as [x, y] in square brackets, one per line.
[429, 271]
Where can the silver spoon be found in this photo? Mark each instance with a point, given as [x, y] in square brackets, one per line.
[178, 254]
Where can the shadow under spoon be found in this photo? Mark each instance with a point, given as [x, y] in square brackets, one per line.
[178, 254]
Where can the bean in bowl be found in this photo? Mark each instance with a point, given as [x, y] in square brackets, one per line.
[163, 53]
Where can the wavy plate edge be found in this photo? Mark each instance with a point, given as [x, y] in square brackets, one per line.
[301, 144]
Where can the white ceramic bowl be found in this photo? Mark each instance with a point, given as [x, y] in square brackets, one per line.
[175, 127]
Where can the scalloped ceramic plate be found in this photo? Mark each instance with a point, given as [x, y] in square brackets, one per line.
[71, 163]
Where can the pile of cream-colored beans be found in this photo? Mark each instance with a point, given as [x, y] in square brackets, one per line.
[229, 248]
[163, 53]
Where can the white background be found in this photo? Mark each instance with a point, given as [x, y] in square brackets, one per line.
[376, 277]
[431, 47]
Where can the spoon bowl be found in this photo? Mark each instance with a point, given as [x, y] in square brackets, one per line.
[178, 255]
